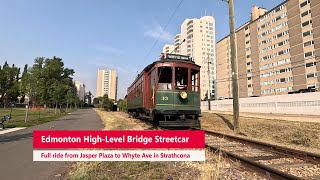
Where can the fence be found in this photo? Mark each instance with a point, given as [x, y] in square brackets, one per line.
[304, 103]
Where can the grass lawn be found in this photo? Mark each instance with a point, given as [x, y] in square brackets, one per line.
[295, 134]
[34, 117]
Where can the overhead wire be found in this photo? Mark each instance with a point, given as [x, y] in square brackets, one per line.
[228, 79]
[163, 30]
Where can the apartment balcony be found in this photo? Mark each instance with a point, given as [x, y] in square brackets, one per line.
[190, 27]
[190, 22]
[190, 36]
[190, 31]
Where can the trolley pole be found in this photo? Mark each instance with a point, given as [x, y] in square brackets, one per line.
[234, 66]
[209, 96]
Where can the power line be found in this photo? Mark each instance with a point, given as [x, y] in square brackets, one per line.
[259, 66]
[155, 43]
[228, 79]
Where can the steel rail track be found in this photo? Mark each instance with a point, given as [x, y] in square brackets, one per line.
[268, 170]
[274, 173]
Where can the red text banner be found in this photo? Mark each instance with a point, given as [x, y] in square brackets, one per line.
[53, 139]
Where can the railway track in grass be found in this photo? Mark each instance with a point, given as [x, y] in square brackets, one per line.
[269, 160]
[276, 162]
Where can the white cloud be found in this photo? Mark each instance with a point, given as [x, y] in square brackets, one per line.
[108, 49]
[155, 32]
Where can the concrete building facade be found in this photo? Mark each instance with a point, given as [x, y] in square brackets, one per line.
[81, 90]
[197, 40]
[168, 48]
[107, 83]
[277, 51]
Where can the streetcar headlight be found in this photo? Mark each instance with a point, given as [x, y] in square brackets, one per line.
[183, 95]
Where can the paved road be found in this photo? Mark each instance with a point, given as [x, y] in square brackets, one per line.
[16, 148]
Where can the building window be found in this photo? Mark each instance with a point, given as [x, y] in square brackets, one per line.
[248, 56]
[311, 64]
[265, 83]
[249, 78]
[282, 52]
[309, 43]
[249, 85]
[284, 70]
[306, 23]
[307, 33]
[281, 34]
[281, 43]
[304, 3]
[249, 63]
[249, 71]
[267, 66]
[309, 54]
[247, 35]
[306, 13]
[247, 42]
[312, 75]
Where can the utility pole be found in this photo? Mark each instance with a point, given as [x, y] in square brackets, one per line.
[209, 96]
[234, 66]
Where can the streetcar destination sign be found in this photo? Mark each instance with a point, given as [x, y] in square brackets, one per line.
[178, 57]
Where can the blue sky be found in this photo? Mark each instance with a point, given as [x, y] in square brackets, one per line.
[94, 34]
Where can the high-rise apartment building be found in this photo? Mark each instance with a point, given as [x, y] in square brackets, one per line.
[107, 83]
[168, 48]
[81, 90]
[277, 51]
[197, 40]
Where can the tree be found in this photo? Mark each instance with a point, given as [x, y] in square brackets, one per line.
[95, 101]
[88, 98]
[122, 104]
[9, 84]
[47, 82]
[107, 103]
[22, 84]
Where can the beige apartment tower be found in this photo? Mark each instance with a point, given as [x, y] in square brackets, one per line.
[81, 91]
[277, 51]
[107, 83]
[197, 40]
[168, 48]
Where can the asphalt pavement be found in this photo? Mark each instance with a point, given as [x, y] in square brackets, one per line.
[16, 148]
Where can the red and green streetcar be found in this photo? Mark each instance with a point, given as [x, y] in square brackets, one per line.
[167, 92]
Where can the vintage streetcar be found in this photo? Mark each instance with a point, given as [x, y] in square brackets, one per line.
[167, 92]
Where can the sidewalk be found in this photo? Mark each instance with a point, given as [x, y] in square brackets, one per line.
[287, 117]
[7, 130]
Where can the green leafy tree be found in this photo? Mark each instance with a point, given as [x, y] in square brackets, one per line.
[47, 82]
[88, 98]
[122, 104]
[9, 84]
[107, 103]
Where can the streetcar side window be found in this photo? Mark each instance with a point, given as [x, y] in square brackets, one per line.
[194, 80]
[181, 77]
[165, 78]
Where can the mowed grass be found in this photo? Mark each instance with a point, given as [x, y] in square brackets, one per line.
[35, 116]
[299, 135]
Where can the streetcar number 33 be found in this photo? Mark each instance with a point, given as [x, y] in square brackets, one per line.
[164, 98]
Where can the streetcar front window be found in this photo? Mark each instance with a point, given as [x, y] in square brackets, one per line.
[181, 77]
[164, 78]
